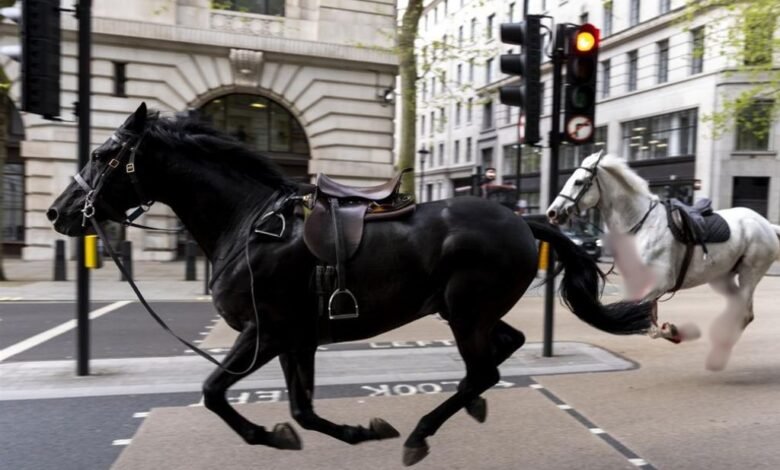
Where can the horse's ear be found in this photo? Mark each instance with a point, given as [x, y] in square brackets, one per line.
[137, 120]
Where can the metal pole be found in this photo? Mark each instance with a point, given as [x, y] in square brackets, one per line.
[552, 189]
[84, 15]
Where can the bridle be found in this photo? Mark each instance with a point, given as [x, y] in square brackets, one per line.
[589, 182]
[586, 184]
[128, 152]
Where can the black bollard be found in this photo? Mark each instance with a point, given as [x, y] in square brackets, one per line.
[190, 252]
[60, 273]
[206, 275]
[126, 256]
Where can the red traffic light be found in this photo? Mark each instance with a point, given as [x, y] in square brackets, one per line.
[585, 40]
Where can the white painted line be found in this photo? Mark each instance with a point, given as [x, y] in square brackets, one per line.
[597, 430]
[121, 442]
[189, 351]
[33, 341]
[564, 407]
[203, 333]
[141, 414]
[536, 386]
[638, 462]
[197, 341]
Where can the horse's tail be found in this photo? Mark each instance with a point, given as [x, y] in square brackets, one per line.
[580, 288]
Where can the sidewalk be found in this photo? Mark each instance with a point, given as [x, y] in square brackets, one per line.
[157, 280]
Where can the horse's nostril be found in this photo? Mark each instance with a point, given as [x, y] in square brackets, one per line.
[52, 214]
[551, 214]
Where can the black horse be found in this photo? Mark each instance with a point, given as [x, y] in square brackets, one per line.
[468, 259]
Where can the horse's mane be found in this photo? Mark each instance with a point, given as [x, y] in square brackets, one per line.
[217, 146]
[618, 168]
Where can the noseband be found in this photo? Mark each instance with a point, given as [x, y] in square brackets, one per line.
[129, 152]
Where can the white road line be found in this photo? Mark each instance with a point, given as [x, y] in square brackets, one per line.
[596, 430]
[536, 386]
[141, 414]
[638, 462]
[564, 407]
[121, 442]
[33, 341]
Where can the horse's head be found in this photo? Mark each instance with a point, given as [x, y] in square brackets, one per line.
[104, 188]
[580, 192]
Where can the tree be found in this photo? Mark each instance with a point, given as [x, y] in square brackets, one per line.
[743, 30]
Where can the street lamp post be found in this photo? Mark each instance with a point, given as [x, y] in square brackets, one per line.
[423, 154]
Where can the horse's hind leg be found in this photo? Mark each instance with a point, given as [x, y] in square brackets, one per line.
[505, 340]
[481, 374]
[298, 369]
[238, 359]
[727, 328]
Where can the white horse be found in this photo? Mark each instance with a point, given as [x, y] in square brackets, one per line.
[628, 207]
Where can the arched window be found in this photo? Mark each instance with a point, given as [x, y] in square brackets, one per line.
[264, 125]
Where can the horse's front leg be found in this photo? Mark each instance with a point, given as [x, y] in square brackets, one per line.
[298, 369]
[238, 362]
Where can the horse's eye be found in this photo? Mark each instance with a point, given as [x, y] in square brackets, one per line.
[577, 182]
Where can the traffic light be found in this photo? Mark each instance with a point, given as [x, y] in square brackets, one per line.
[526, 64]
[40, 54]
[580, 92]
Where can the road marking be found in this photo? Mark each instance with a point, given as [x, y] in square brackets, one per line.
[121, 442]
[141, 414]
[33, 341]
[627, 453]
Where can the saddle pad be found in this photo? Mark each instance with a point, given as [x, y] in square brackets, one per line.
[716, 230]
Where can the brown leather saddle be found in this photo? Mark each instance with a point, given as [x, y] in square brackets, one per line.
[334, 228]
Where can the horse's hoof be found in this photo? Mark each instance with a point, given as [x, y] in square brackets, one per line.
[285, 437]
[383, 429]
[477, 409]
[412, 455]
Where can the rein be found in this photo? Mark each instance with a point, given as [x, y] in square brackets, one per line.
[88, 213]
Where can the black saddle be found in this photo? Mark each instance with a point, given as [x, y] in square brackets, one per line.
[334, 228]
[697, 224]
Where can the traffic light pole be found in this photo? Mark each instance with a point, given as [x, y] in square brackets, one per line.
[552, 184]
[84, 15]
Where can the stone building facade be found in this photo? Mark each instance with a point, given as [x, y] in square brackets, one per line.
[307, 78]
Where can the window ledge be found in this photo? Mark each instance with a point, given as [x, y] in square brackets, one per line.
[753, 153]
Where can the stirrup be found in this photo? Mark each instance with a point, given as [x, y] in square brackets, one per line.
[271, 234]
[342, 316]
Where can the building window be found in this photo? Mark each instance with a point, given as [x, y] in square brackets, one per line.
[469, 110]
[442, 120]
[571, 156]
[487, 158]
[433, 86]
[751, 192]
[458, 109]
[473, 29]
[663, 136]
[469, 150]
[459, 75]
[759, 29]
[471, 71]
[665, 6]
[262, 7]
[530, 160]
[456, 153]
[511, 13]
[13, 203]
[510, 162]
[489, 30]
[633, 14]
[663, 61]
[120, 78]
[432, 128]
[446, 8]
[441, 154]
[697, 50]
[606, 76]
[424, 89]
[633, 65]
[422, 124]
[487, 116]
[753, 125]
[443, 82]
[607, 29]
[488, 71]
[460, 36]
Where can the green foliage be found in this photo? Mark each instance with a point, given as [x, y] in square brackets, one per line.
[744, 31]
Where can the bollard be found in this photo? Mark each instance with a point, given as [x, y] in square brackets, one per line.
[206, 275]
[91, 255]
[60, 273]
[190, 252]
[126, 256]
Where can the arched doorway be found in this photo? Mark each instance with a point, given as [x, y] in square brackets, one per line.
[265, 126]
[12, 174]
